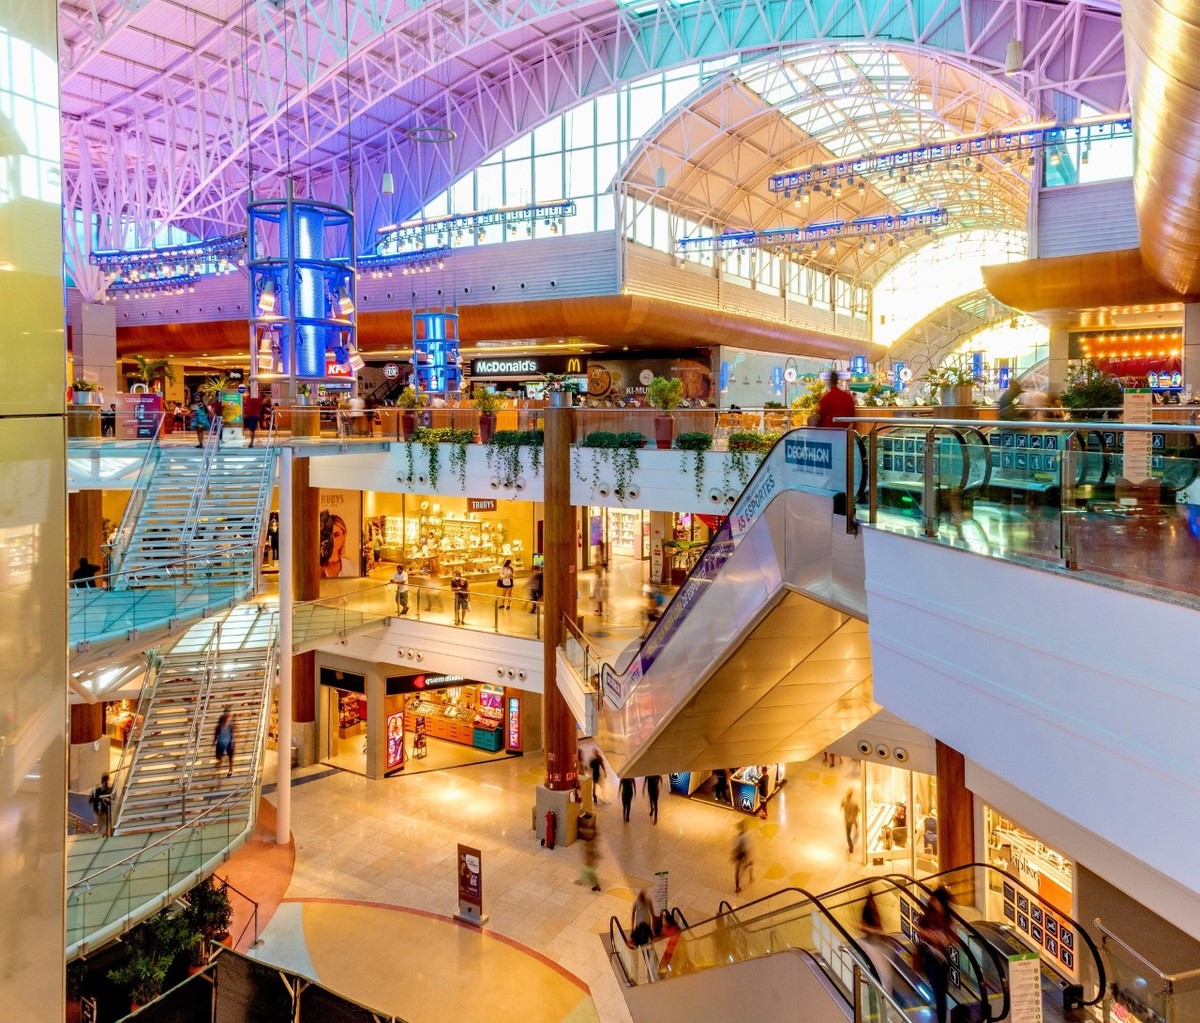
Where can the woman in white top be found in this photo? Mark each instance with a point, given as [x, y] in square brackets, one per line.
[505, 582]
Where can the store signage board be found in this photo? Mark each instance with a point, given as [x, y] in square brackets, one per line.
[391, 371]
[138, 415]
[470, 886]
[1025, 988]
[1138, 446]
[481, 504]
[661, 887]
[524, 367]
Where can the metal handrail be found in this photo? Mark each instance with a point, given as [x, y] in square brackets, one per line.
[168, 839]
[1169, 979]
[191, 517]
[117, 550]
[199, 717]
[181, 562]
[257, 942]
[265, 483]
[615, 928]
[1013, 424]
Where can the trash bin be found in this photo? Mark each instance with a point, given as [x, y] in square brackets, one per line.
[587, 826]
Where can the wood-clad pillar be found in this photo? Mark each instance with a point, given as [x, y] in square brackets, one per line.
[87, 722]
[85, 519]
[559, 592]
[956, 810]
[307, 576]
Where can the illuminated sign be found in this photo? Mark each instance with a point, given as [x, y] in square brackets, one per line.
[391, 371]
[514, 722]
[523, 367]
[481, 504]
[416, 683]
[333, 368]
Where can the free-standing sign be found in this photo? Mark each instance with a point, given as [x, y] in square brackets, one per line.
[1025, 987]
[395, 741]
[419, 745]
[139, 415]
[513, 737]
[470, 885]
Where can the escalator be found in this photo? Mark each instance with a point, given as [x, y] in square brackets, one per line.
[874, 967]
[762, 655]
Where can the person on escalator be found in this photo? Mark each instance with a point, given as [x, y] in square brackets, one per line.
[835, 404]
[936, 932]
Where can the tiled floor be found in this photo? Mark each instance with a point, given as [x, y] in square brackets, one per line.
[383, 846]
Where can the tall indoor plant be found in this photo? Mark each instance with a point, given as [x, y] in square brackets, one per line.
[486, 403]
[1090, 390]
[665, 394]
[151, 371]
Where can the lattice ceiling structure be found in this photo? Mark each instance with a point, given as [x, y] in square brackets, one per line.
[171, 107]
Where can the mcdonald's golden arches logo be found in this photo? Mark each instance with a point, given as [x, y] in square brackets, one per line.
[574, 365]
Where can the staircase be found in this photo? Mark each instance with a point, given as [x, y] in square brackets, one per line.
[204, 508]
[169, 774]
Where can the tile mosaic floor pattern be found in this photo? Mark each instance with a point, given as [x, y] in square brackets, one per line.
[364, 849]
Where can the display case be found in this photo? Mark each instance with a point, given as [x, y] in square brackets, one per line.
[436, 544]
[352, 714]
[469, 715]
[625, 532]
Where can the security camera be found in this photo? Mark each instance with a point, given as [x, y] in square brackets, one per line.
[865, 748]
[519, 484]
[717, 495]
[603, 490]
[882, 751]
[633, 492]
[730, 497]
[901, 754]
[494, 483]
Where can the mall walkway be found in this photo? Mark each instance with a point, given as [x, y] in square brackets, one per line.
[367, 904]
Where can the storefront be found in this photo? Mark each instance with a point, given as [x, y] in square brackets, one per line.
[524, 376]
[899, 819]
[748, 790]
[422, 721]
[438, 536]
[121, 720]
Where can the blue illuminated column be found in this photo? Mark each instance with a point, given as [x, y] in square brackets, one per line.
[302, 291]
[437, 369]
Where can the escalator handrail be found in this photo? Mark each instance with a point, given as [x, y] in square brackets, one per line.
[677, 918]
[723, 534]
[615, 928]
[1101, 975]
[724, 909]
[902, 882]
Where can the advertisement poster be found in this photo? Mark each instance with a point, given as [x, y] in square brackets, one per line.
[395, 741]
[470, 884]
[138, 415]
[616, 381]
[339, 544]
[513, 740]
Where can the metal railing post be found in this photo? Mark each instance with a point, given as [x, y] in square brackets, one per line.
[930, 487]
[1066, 509]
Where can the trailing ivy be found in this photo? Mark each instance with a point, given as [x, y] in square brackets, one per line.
[430, 438]
[618, 450]
[697, 442]
[504, 453]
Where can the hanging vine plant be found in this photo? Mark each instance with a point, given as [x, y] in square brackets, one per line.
[618, 450]
[431, 439]
[504, 454]
[746, 450]
[698, 443]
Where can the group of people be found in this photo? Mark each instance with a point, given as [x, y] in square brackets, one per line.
[207, 417]
[460, 589]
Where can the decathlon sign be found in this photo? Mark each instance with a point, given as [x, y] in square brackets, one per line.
[816, 459]
[808, 455]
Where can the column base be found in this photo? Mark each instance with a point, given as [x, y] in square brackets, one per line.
[566, 815]
[304, 738]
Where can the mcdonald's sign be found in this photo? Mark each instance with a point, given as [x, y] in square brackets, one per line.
[526, 367]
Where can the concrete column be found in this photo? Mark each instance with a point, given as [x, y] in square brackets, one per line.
[956, 817]
[560, 583]
[1057, 366]
[1191, 347]
[94, 346]
[85, 517]
[306, 586]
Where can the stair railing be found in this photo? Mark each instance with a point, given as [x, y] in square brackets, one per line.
[129, 755]
[265, 485]
[116, 550]
[187, 533]
[197, 730]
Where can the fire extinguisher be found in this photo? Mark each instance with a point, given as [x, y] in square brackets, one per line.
[548, 840]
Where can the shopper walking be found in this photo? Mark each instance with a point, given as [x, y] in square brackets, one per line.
[596, 765]
[850, 817]
[641, 920]
[589, 875]
[628, 786]
[462, 597]
[936, 931]
[536, 582]
[102, 803]
[400, 581]
[764, 788]
[743, 855]
[600, 590]
[505, 583]
[199, 420]
[251, 413]
[835, 404]
[651, 784]
[223, 739]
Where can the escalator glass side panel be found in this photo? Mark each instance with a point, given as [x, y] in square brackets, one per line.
[808, 460]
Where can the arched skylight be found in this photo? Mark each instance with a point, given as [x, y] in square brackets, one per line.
[937, 273]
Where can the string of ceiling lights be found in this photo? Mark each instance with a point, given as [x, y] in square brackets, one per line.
[969, 150]
[789, 238]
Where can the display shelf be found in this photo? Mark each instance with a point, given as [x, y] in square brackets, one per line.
[433, 544]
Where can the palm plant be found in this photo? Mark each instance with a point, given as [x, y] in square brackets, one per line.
[149, 370]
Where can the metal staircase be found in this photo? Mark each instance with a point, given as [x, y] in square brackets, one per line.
[169, 773]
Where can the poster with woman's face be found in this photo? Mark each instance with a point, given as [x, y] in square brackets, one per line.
[340, 539]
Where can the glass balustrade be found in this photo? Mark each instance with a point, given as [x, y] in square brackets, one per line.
[1120, 501]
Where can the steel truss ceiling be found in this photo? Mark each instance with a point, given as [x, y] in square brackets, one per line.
[170, 107]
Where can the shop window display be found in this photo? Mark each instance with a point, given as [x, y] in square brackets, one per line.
[433, 543]
[899, 818]
[121, 721]
[470, 715]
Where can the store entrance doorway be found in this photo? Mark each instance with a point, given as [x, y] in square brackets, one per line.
[345, 739]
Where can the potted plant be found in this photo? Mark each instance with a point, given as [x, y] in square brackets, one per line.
[953, 381]
[1089, 391]
[556, 388]
[151, 371]
[151, 949]
[85, 392]
[698, 442]
[303, 393]
[683, 556]
[805, 405]
[408, 401]
[210, 911]
[486, 402]
[664, 394]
